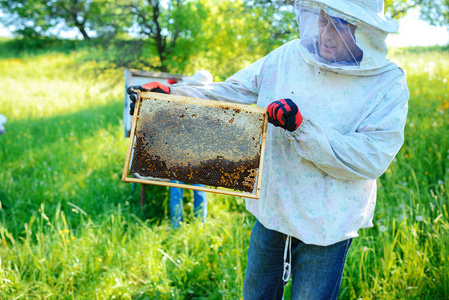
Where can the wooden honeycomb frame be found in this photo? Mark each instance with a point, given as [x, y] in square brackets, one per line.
[175, 136]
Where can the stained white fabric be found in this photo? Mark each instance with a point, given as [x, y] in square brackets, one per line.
[319, 182]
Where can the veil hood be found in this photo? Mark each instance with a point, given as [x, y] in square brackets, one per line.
[359, 29]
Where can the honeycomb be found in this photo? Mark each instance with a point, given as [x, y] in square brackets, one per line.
[216, 144]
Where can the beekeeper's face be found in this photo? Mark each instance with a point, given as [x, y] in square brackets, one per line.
[336, 41]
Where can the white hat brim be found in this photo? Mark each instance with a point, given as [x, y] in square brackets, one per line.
[355, 11]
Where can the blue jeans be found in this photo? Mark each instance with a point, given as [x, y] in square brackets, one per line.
[176, 205]
[316, 270]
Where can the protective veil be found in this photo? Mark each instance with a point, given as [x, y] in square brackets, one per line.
[336, 41]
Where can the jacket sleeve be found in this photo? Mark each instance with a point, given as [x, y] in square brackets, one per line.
[242, 87]
[365, 153]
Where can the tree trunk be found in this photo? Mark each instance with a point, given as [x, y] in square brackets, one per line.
[160, 42]
[83, 32]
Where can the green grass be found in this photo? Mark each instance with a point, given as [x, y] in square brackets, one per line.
[71, 229]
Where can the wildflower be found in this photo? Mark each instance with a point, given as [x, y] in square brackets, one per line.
[383, 228]
[72, 237]
[427, 173]
[419, 218]
[99, 259]
[440, 182]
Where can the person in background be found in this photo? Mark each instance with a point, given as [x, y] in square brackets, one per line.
[337, 108]
[2, 121]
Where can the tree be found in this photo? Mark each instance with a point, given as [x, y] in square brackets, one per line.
[26, 17]
[397, 9]
[278, 17]
[36, 17]
[75, 13]
[235, 33]
[162, 23]
[153, 24]
[435, 12]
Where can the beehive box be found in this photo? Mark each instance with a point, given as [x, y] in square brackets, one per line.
[217, 144]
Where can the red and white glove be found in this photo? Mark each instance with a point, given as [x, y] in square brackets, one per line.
[284, 113]
[147, 87]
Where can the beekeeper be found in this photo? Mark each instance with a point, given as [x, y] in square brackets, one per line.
[338, 108]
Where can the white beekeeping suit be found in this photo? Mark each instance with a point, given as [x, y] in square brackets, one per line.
[319, 181]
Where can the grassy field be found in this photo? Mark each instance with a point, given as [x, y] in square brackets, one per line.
[71, 229]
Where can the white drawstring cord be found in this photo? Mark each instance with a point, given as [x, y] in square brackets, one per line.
[287, 265]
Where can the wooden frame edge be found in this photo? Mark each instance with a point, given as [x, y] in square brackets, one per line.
[131, 139]
[204, 102]
[262, 152]
[190, 187]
